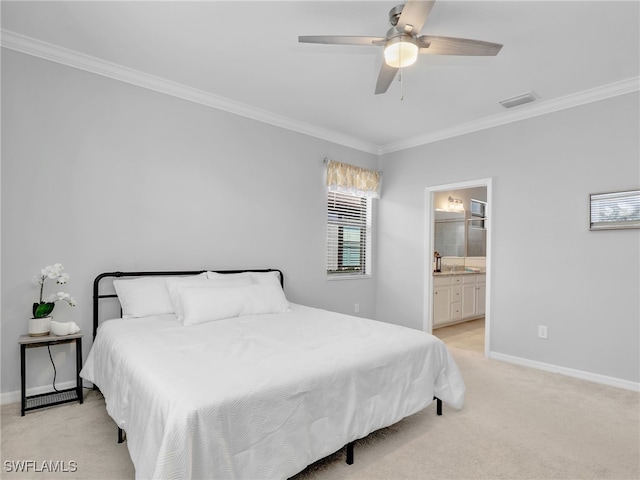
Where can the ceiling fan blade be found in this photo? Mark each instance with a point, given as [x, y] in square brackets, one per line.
[342, 39]
[385, 77]
[435, 45]
[414, 14]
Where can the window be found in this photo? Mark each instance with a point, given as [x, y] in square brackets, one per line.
[478, 217]
[348, 235]
[615, 210]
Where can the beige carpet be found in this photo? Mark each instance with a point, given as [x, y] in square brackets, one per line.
[517, 423]
[466, 335]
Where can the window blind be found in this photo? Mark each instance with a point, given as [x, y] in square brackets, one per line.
[348, 234]
[615, 210]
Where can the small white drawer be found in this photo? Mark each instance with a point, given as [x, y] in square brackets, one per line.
[441, 280]
[456, 294]
[456, 311]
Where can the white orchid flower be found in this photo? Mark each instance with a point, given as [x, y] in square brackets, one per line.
[56, 297]
[67, 298]
[53, 272]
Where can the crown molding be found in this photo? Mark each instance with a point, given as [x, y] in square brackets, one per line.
[526, 111]
[54, 53]
[47, 51]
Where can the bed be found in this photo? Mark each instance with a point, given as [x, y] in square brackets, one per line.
[219, 376]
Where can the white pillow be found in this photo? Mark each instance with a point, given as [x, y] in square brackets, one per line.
[209, 303]
[257, 277]
[265, 298]
[267, 278]
[174, 284]
[144, 296]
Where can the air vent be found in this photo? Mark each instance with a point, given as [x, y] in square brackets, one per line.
[519, 100]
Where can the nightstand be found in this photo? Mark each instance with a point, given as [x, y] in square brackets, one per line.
[50, 398]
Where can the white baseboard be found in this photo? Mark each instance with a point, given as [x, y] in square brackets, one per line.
[14, 397]
[569, 372]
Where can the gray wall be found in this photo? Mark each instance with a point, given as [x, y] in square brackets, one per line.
[100, 175]
[548, 268]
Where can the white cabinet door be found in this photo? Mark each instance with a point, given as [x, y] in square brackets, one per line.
[469, 300]
[481, 293]
[441, 304]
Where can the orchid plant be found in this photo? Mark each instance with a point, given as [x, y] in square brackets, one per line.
[44, 307]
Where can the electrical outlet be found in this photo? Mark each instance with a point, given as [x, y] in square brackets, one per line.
[543, 331]
[356, 308]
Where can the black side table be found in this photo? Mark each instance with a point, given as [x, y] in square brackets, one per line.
[50, 398]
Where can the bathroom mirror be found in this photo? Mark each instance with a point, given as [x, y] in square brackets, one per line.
[460, 222]
[459, 234]
[450, 234]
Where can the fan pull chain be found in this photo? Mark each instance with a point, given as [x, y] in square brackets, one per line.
[400, 77]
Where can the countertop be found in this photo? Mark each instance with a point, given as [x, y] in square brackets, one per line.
[446, 272]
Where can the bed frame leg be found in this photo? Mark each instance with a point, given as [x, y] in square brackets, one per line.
[351, 444]
[121, 435]
[350, 453]
[438, 405]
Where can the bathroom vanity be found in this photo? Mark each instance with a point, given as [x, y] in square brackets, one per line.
[458, 296]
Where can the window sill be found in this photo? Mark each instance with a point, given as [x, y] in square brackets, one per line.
[331, 278]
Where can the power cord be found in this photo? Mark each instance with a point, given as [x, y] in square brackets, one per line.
[55, 373]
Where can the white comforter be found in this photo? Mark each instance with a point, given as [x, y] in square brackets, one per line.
[261, 396]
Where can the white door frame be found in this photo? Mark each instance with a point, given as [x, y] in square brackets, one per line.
[430, 245]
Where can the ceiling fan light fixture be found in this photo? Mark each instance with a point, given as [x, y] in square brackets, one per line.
[401, 51]
[402, 43]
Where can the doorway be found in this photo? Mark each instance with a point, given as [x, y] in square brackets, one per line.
[458, 263]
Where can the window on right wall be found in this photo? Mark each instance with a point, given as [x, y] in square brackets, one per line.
[614, 210]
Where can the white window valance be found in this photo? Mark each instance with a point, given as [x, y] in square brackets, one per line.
[353, 180]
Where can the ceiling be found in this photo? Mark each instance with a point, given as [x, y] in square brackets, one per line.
[245, 57]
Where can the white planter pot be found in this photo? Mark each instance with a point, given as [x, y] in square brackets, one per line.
[39, 326]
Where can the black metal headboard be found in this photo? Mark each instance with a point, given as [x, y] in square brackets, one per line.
[96, 284]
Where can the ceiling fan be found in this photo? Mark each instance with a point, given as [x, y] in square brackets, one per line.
[402, 43]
